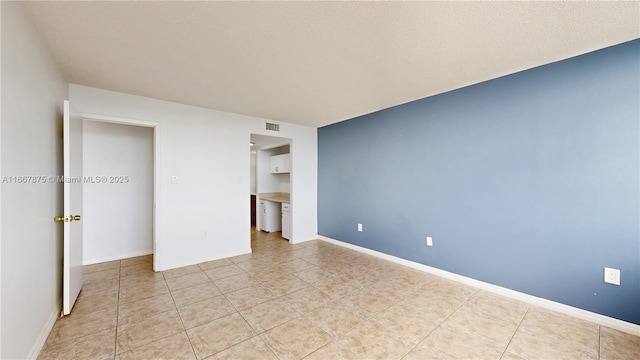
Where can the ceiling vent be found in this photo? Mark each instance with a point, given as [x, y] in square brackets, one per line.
[273, 127]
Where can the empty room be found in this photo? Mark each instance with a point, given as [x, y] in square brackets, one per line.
[320, 180]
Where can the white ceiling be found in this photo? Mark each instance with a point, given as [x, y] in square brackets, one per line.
[316, 63]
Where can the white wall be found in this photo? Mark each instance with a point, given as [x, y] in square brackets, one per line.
[31, 266]
[117, 215]
[207, 150]
[285, 184]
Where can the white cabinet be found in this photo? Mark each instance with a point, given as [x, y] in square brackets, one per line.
[269, 219]
[262, 219]
[281, 164]
[286, 226]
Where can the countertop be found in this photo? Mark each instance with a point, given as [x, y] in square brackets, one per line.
[275, 197]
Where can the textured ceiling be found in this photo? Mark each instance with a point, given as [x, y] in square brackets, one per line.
[316, 63]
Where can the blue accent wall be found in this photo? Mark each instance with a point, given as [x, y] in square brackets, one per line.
[529, 181]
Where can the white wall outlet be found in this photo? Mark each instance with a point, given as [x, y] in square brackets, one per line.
[360, 227]
[429, 241]
[612, 276]
[204, 235]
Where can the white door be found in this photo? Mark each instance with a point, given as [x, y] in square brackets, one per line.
[73, 178]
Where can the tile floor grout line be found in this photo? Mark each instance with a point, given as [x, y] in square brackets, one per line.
[184, 328]
[514, 332]
[243, 318]
[599, 342]
[115, 338]
[447, 318]
[257, 333]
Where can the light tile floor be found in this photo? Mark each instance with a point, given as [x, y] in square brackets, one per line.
[313, 300]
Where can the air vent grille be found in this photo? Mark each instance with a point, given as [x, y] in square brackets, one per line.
[273, 127]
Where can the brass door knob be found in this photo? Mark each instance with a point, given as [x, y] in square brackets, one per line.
[67, 218]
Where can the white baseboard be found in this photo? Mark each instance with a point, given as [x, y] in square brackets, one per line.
[46, 330]
[221, 256]
[116, 257]
[303, 240]
[530, 299]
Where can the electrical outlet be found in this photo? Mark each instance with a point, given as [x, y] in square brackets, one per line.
[360, 227]
[612, 276]
[429, 241]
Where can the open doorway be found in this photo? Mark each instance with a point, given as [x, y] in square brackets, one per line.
[120, 157]
[119, 221]
[271, 194]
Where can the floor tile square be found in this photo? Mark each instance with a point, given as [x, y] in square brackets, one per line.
[220, 334]
[205, 311]
[295, 339]
[214, 264]
[87, 304]
[181, 271]
[367, 301]
[99, 345]
[144, 267]
[307, 299]
[99, 287]
[110, 265]
[73, 327]
[285, 285]
[140, 279]
[101, 275]
[460, 344]
[135, 311]
[143, 290]
[250, 296]
[371, 340]
[564, 331]
[269, 314]
[236, 282]
[506, 309]
[136, 260]
[491, 328]
[616, 344]
[337, 318]
[333, 350]
[172, 347]
[407, 321]
[195, 293]
[148, 330]
[185, 281]
[533, 346]
[222, 272]
[253, 348]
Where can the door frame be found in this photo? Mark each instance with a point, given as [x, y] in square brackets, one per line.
[275, 143]
[155, 126]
